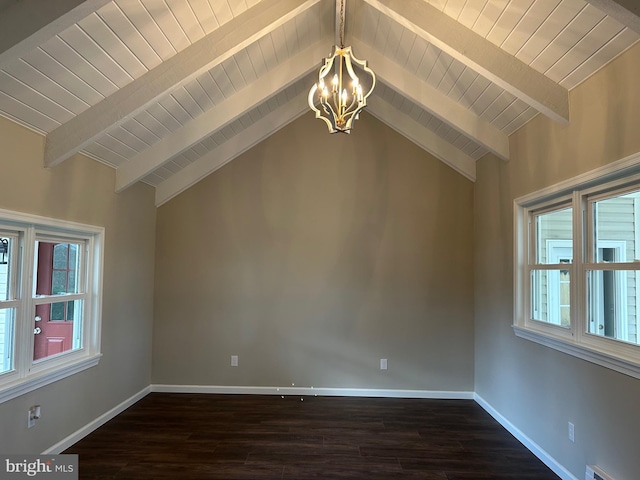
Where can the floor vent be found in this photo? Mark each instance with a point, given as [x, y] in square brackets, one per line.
[594, 473]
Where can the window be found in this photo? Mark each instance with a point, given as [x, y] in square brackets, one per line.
[577, 267]
[50, 300]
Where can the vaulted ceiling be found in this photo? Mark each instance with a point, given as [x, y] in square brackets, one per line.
[168, 91]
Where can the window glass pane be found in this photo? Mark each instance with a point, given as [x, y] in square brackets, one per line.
[59, 329]
[612, 304]
[553, 237]
[551, 296]
[58, 282]
[617, 228]
[7, 326]
[5, 253]
[57, 311]
[55, 274]
[60, 255]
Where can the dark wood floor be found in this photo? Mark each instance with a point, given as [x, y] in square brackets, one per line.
[192, 436]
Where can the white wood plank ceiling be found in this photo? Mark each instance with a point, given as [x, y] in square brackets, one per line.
[167, 91]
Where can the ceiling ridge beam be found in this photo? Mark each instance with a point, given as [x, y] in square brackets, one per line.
[224, 113]
[627, 12]
[30, 23]
[438, 104]
[224, 42]
[479, 54]
[423, 137]
[215, 159]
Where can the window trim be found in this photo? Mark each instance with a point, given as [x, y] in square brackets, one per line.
[27, 374]
[603, 351]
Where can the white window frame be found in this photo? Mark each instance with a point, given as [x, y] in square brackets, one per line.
[27, 374]
[575, 340]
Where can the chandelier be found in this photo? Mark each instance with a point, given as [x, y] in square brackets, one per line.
[340, 100]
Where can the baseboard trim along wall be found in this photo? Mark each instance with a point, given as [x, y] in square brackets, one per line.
[533, 447]
[101, 420]
[311, 391]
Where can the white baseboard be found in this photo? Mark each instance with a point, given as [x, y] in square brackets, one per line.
[101, 420]
[533, 447]
[311, 391]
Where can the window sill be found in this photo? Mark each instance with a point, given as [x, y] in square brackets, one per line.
[24, 385]
[588, 353]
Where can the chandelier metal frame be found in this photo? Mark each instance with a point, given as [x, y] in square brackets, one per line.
[340, 106]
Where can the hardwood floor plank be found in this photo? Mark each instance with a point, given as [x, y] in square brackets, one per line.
[200, 436]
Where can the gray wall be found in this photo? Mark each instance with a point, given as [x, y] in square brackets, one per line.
[536, 388]
[311, 257]
[82, 190]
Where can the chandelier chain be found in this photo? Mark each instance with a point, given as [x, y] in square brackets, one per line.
[341, 23]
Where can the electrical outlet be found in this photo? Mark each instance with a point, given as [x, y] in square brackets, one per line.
[234, 360]
[572, 432]
[33, 414]
[383, 364]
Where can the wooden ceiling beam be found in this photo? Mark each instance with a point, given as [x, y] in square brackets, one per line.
[232, 148]
[627, 12]
[212, 50]
[221, 115]
[438, 104]
[423, 137]
[479, 54]
[29, 23]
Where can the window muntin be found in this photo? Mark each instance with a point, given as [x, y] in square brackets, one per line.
[51, 308]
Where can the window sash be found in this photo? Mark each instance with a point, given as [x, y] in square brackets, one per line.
[581, 194]
[26, 230]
